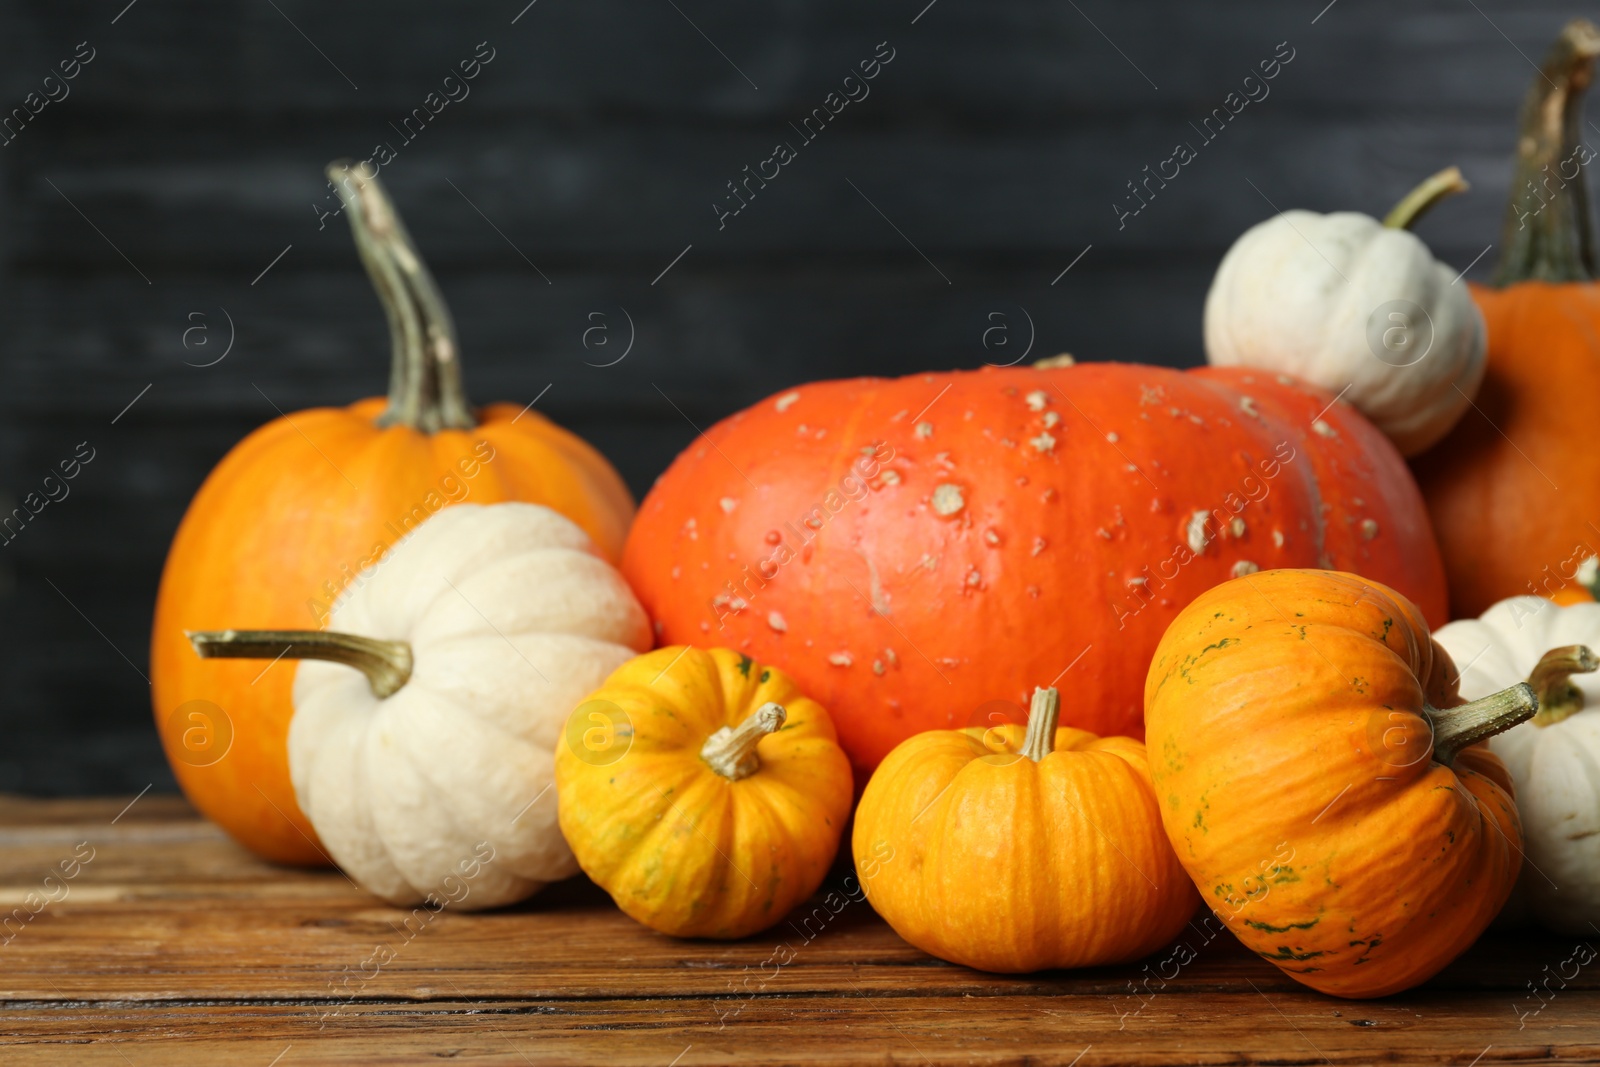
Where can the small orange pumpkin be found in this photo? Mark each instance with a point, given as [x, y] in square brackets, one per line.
[1316, 781]
[297, 509]
[1017, 852]
[703, 791]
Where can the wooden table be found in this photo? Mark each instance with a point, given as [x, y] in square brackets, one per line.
[173, 946]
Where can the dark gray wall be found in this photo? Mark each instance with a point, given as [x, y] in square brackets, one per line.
[189, 154]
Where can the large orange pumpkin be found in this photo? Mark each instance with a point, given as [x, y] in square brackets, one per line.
[1514, 490]
[297, 509]
[913, 550]
[1318, 779]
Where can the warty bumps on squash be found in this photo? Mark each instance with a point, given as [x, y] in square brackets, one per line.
[913, 550]
[297, 509]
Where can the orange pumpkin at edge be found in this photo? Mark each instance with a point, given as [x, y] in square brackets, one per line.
[295, 511]
[1514, 489]
[916, 551]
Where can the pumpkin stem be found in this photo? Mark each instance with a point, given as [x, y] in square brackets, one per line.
[731, 751]
[425, 391]
[1547, 233]
[1456, 728]
[387, 664]
[1043, 714]
[1551, 680]
[1420, 200]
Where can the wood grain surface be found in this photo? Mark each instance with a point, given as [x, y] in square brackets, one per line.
[170, 945]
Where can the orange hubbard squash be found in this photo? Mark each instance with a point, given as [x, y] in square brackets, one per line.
[1310, 754]
[1514, 490]
[297, 509]
[903, 547]
[1010, 851]
[703, 791]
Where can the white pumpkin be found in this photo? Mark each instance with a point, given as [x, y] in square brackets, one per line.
[1553, 758]
[490, 624]
[1357, 307]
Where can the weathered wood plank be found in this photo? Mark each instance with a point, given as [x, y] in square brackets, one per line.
[172, 944]
[1006, 60]
[632, 197]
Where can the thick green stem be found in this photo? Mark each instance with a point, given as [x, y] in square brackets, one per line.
[387, 664]
[1551, 680]
[1419, 201]
[1456, 728]
[1547, 231]
[1043, 714]
[731, 751]
[425, 390]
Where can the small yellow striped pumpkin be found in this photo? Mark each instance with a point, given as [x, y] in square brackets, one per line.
[703, 791]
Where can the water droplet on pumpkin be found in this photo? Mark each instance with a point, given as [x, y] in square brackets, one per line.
[786, 401]
[774, 537]
[991, 537]
[777, 622]
[1039, 545]
[727, 504]
[1244, 567]
[1369, 529]
[841, 659]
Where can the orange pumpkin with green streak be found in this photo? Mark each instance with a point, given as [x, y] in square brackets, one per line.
[703, 791]
[1315, 778]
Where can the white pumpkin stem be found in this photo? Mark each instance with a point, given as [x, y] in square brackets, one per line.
[1547, 234]
[1551, 680]
[387, 664]
[1419, 201]
[425, 390]
[1043, 714]
[731, 751]
[1456, 728]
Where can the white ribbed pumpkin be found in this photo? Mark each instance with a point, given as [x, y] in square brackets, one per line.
[1358, 307]
[1554, 758]
[510, 618]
